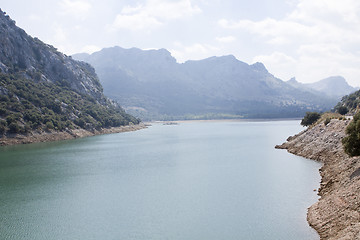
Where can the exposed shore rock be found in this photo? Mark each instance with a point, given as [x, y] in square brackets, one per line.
[337, 213]
[36, 137]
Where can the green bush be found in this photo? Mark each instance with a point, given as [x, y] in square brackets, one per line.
[12, 118]
[49, 125]
[351, 142]
[3, 125]
[327, 121]
[3, 111]
[14, 128]
[310, 118]
[342, 110]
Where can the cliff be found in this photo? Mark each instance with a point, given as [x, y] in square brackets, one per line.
[33, 59]
[43, 91]
[337, 213]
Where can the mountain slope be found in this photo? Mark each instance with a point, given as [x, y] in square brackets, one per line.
[152, 85]
[43, 89]
[335, 86]
[351, 102]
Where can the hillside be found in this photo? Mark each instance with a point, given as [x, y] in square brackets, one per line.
[351, 102]
[43, 90]
[152, 85]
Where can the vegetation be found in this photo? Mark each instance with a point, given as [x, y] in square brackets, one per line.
[351, 142]
[327, 121]
[350, 102]
[27, 105]
[310, 118]
[342, 110]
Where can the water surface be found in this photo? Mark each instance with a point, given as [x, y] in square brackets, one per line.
[196, 180]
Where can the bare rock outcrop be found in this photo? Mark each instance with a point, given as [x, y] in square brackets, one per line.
[337, 213]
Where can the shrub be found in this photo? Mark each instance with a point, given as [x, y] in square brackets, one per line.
[3, 111]
[12, 118]
[327, 121]
[351, 142]
[49, 125]
[80, 122]
[342, 110]
[3, 125]
[310, 118]
[14, 127]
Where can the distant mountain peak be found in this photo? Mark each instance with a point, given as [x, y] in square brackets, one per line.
[336, 79]
[225, 58]
[258, 66]
[334, 86]
[292, 80]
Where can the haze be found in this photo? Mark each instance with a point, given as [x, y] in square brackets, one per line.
[308, 39]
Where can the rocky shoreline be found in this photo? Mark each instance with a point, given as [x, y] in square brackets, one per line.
[337, 213]
[43, 136]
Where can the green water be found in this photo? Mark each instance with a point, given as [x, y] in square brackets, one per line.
[196, 180]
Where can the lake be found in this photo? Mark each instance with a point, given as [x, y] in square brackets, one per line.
[195, 180]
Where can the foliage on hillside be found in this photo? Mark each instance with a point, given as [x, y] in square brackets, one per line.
[351, 142]
[27, 105]
[310, 118]
[351, 102]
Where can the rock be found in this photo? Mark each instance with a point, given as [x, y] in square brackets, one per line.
[21, 52]
[65, 135]
[337, 213]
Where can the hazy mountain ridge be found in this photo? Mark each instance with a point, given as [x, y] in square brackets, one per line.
[335, 86]
[153, 85]
[43, 89]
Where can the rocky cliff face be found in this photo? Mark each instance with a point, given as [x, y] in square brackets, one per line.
[37, 60]
[43, 90]
[337, 213]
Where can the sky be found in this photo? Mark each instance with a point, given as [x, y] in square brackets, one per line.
[307, 39]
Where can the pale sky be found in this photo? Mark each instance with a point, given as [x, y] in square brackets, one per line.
[306, 39]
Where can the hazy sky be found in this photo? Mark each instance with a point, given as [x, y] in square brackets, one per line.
[308, 39]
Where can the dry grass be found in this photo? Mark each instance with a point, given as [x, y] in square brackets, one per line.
[327, 116]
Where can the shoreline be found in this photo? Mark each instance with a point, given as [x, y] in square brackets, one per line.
[225, 120]
[336, 215]
[37, 137]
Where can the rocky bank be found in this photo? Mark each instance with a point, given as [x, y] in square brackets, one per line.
[49, 136]
[337, 213]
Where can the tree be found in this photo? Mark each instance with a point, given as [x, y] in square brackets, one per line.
[310, 118]
[351, 142]
[342, 110]
[49, 125]
[14, 127]
[3, 125]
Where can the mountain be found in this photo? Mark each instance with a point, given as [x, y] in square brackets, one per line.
[152, 85]
[42, 89]
[335, 86]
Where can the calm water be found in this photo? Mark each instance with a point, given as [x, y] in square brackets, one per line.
[198, 180]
